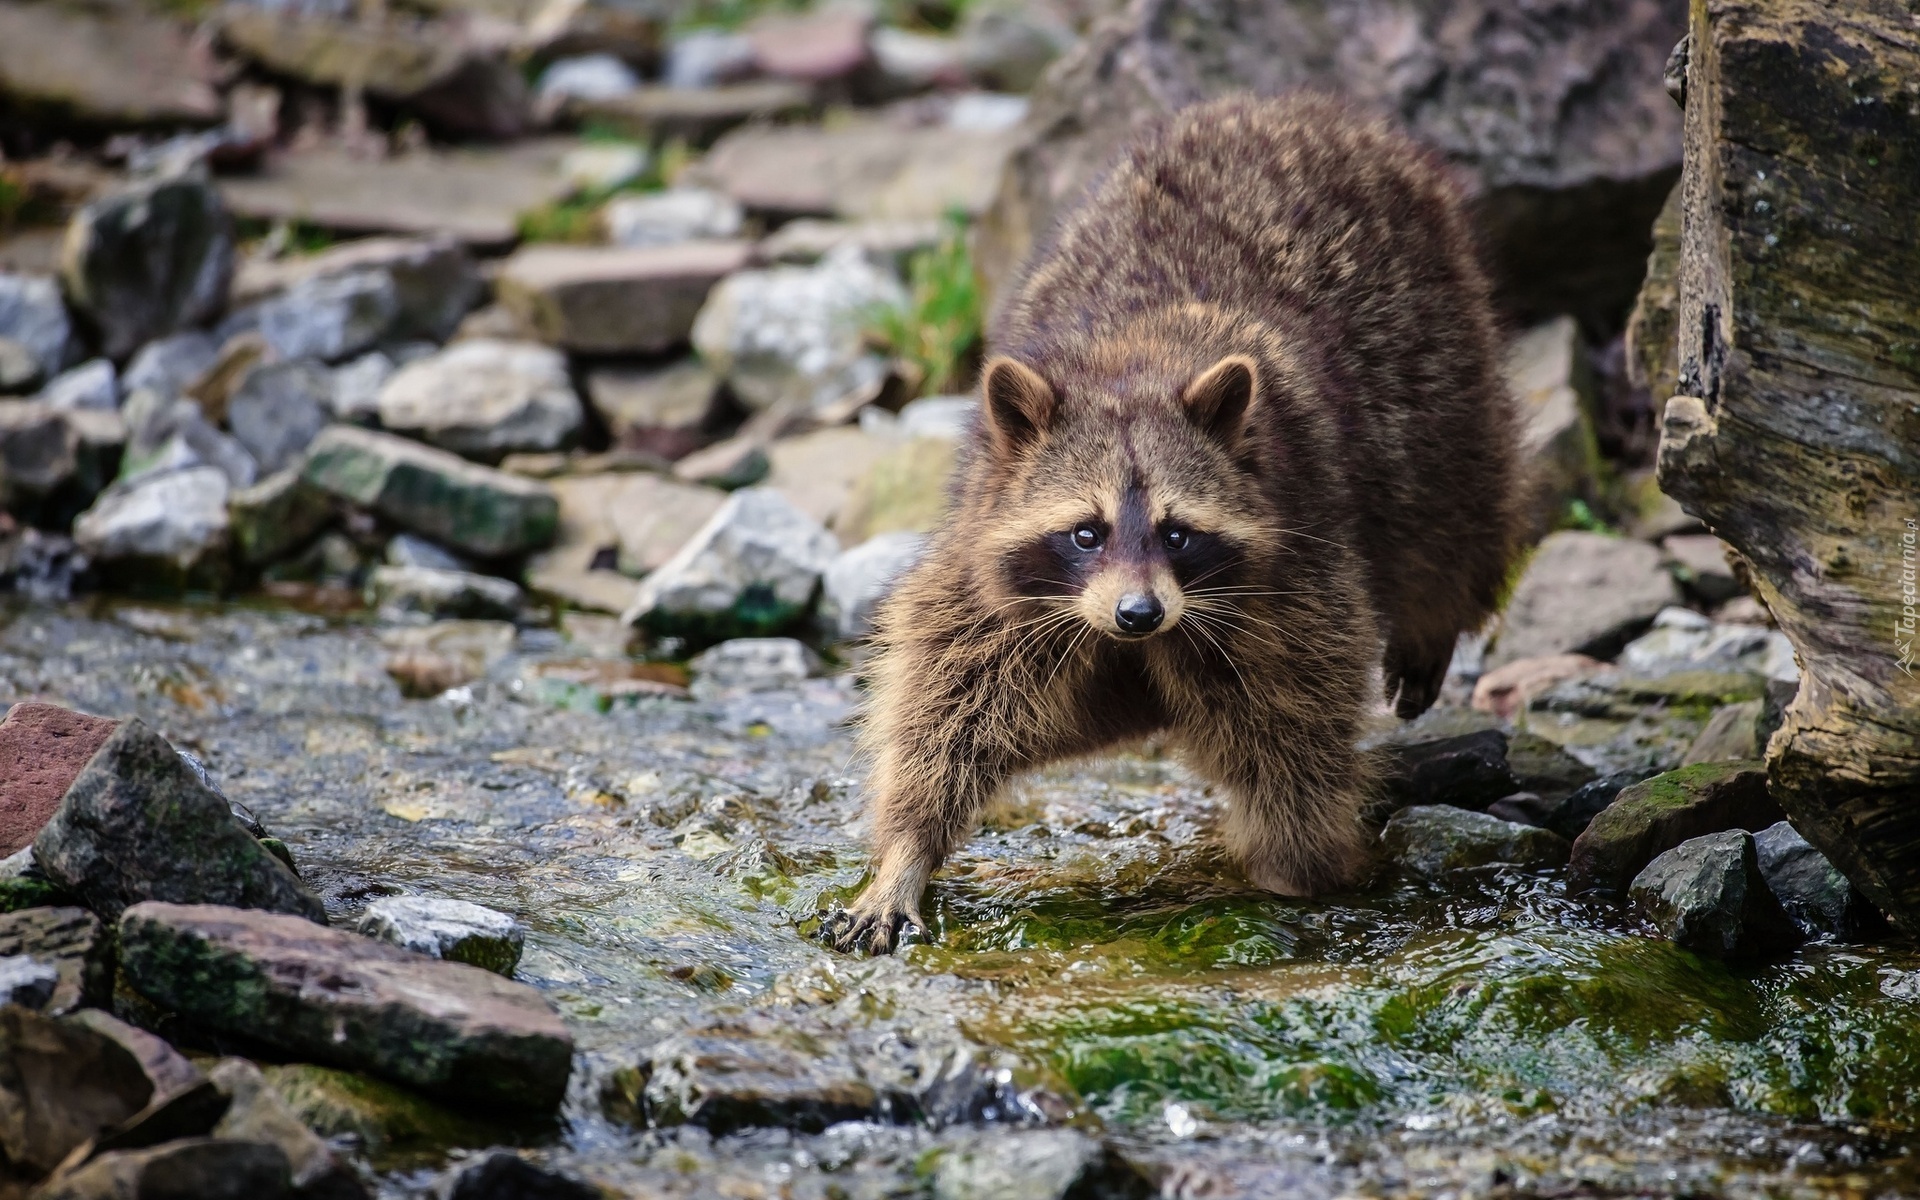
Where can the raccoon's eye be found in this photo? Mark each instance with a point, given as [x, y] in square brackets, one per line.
[1086, 537]
[1176, 538]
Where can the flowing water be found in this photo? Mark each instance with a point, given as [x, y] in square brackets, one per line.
[1090, 954]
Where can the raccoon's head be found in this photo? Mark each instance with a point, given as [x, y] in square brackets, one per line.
[1131, 508]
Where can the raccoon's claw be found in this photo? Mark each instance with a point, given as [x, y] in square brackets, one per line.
[853, 932]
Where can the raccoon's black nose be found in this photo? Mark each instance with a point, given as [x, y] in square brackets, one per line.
[1138, 614]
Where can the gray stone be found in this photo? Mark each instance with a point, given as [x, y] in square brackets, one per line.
[1546, 370]
[33, 316]
[793, 336]
[627, 300]
[1034, 1164]
[456, 930]
[485, 399]
[1006, 45]
[907, 61]
[1817, 898]
[754, 665]
[92, 385]
[137, 825]
[329, 317]
[753, 568]
[41, 567]
[52, 463]
[810, 47]
[167, 365]
[276, 516]
[27, 981]
[432, 280]
[170, 519]
[333, 997]
[1583, 593]
[1431, 840]
[886, 243]
[203, 1168]
[676, 215]
[19, 369]
[408, 550]
[858, 170]
[589, 77]
[1707, 894]
[1732, 735]
[1653, 816]
[707, 58]
[467, 507]
[1683, 640]
[106, 68]
[859, 579]
[70, 942]
[1465, 771]
[668, 410]
[147, 260]
[500, 1175]
[1572, 815]
[400, 592]
[949, 417]
[67, 1081]
[1700, 559]
[256, 1113]
[172, 434]
[279, 409]
[726, 1077]
[695, 116]
[355, 398]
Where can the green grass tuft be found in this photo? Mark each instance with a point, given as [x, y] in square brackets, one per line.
[938, 332]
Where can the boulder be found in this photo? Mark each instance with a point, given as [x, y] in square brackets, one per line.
[328, 996]
[792, 336]
[93, 384]
[858, 170]
[276, 516]
[1431, 840]
[171, 435]
[167, 365]
[1583, 593]
[1791, 431]
[1653, 817]
[34, 319]
[671, 410]
[857, 580]
[1818, 899]
[438, 927]
[172, 524]
[147, 260]
[71, 943]
[1547, 371]
[485, 399]
[105, 68]
[1732, 735]
[906, 61]
[1034, 1164]
[278, 409]
[255, 1113]
[589, 77]
[683, 214]
[501, 1175]
[204, 1168]
[432, 281]
[1527, 104]
[726, 1077]
[630, 300]
[752, 569]
[329, 318]
[41, 567]
[137, 823]
[403, 592]
[1466, 771]
[1571, 816]
[890, 243]
[471, 508]
[1650, 337]
[43, 747]
[1707, 894]
[634, 522]
[754, 665]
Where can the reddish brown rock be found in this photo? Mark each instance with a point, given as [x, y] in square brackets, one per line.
[810, 48]
[42, 748]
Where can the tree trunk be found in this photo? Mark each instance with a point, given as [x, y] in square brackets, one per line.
[1795, 429]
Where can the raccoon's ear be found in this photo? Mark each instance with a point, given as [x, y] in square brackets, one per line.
[1219, 399]
[1019, 404]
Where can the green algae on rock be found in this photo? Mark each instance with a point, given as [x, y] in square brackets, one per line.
[1430, 840]
[1657, 815]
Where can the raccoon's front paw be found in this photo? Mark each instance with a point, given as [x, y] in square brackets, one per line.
[875, 930]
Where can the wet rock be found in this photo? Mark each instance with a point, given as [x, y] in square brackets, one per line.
[1547, 371]
[857, 581]
[589, 77]
[791, 336]
[1039, 1164]
[446, 1028]
[456, 930]
[630, 300]
[1653, 817]
[810, 47]
[72, 944]
[670, 410]
[485, 399]
[204, 1168]
[1572, 815]
[1583, 593]
[432, 283]
[41, 567]
[1469, 771]
[857, 171]
[1707, 894]
[137, 824]
[1544, 767]
[906, 490]
[148, 260]
[1731, 735]
[106, 68]
[34, 318]
[1523, 808]
[682, 214]
[1683, 640]
[276, 516]
[402, 592]
[255, 1113]
[467, 507]
[1817, 898]
[501, 1175]
[427, 660]
[172, 522]
[93, 384]
[27, 981]
[1431, 840]
[726, 1077]
[278, 410]
[167, 365]
[752, 569]
[1006, 46]
[755, 665]
[366, 1112]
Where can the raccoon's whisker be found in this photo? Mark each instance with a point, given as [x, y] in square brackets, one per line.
[1072, 647]
[1201, 628]
[1312, 538]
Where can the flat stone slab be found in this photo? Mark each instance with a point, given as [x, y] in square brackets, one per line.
[42, 748]
[616, 300]
[1652, 817]
[328, 996]
[858, 172]
[1431, 840]
[439, 495]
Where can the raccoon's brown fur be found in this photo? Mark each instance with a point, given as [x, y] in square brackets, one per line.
[1252, 386]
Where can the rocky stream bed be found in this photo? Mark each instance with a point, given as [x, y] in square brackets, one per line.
[1101, 1007]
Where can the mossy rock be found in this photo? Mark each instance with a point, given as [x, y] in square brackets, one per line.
[1654, 816]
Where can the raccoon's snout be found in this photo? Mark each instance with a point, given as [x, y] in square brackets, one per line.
[1138, 613]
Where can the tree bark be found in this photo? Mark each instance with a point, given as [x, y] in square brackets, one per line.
[1795, 428]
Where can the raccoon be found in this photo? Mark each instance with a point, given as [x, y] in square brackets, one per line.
[1243, 440]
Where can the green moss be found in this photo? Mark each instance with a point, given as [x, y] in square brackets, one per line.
[391, 1122]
